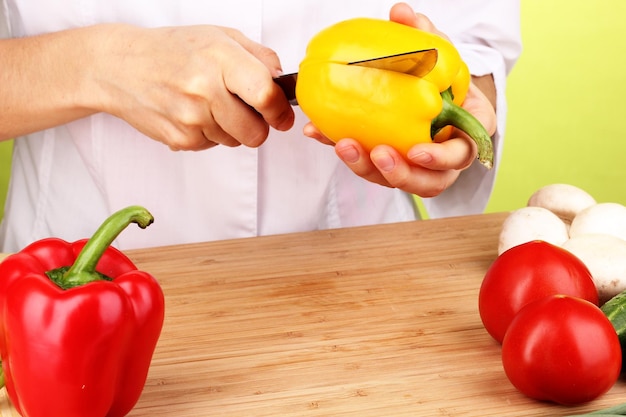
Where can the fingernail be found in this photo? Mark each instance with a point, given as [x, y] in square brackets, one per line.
[420, 157]
[349, 154]
[383, 161]
[286, 120]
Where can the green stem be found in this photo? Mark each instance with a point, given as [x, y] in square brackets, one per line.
[84, 268]
[619, 410]
[455, 115]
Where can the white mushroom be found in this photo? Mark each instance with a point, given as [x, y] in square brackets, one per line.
[564, 200]
[531, 223]
[605, 257]
[604, 218]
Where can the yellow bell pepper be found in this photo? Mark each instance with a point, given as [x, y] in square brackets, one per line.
[377, 106]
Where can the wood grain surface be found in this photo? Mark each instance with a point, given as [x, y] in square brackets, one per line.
[370, 321]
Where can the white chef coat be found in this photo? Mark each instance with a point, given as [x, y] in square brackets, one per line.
[66, 180]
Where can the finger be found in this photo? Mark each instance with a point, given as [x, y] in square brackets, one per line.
[207, 145]
[422, 22]
[192, 138]
[456, 154]
[215, 135]
[414, 179]
[273, 105]
[233, 122]
[201, 145]
[403, 13]
[178, 138]
[198, 125]
[251, 79]
[385, 166]
[181, 139]
[256, 88]
[358, 160]
[313, 132]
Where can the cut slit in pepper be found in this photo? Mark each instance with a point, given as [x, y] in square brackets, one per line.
[82, 351]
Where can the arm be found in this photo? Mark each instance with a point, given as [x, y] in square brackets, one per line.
[487, 86]
[189, 87]
[41, 82]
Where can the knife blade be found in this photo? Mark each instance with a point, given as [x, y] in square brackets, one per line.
[416, 63]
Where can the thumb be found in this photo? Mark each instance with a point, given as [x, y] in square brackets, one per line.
[403, 13]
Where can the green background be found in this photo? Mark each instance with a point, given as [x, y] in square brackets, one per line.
[5, 165]
[566, 104]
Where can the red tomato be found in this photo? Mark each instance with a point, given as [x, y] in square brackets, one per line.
[529, 272]
[562, 349]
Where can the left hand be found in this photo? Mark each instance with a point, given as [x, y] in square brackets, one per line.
[429, 168]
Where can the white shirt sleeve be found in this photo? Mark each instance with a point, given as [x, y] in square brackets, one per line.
[4, 21]
[487, 34]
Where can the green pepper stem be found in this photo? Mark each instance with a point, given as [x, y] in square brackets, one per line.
[455, 115]
[84, 268]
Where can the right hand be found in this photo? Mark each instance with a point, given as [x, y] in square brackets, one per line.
[191, 87]
[429, 168]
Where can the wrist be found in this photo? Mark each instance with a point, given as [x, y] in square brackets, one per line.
[487, 86]
[102, 51]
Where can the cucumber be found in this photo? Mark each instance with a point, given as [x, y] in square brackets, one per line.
[615, 311]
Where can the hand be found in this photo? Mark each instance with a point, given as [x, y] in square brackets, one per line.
[192, 87]
[429, 168]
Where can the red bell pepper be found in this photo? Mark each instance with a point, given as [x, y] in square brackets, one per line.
[78, 324]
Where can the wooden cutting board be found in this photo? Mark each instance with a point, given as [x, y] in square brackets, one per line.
[372, 321]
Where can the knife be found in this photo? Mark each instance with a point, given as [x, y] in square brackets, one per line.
[416, 63]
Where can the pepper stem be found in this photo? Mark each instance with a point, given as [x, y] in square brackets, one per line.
[454, 115]
[84, 268]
